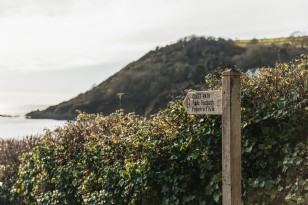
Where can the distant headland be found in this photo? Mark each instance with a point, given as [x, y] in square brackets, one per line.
[163, 74]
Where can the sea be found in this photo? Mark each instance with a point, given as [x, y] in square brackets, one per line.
[16, 125]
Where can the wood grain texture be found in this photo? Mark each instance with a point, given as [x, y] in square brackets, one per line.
[231, 138]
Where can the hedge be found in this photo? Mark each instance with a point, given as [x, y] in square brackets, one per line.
[173, 157]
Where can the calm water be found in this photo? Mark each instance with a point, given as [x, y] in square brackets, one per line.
[18, 127]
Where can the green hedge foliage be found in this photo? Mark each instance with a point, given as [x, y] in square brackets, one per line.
[175, 158]
[10, 152]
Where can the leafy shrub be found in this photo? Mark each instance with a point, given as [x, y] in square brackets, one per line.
[175, 158]
[275, 135]
[10, 152]
[266, 55]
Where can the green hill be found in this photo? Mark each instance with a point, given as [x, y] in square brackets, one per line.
[148, 84]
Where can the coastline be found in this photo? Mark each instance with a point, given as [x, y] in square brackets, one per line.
[14, 124]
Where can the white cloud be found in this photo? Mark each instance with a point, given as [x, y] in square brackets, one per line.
[64, 46]
[59, 34]
[30, 7]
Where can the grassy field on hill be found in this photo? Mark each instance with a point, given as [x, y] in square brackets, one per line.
[298, 42]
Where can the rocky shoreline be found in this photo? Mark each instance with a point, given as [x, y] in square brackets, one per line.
[9, 115]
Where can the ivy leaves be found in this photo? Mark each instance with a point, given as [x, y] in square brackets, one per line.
[175, 158]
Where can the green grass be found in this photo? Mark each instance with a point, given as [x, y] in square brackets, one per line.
[299, 42]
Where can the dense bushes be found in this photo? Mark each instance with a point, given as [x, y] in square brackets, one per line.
[10, 152]
[265, 55]
[175, 158]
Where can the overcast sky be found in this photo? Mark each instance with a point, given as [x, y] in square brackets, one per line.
[51, 50]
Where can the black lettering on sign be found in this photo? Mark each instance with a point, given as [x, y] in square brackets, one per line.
[203, 109]
[206, 95]
[196, 96]
[207, 102]
[196, 102]
[198, 109]
[209, 108]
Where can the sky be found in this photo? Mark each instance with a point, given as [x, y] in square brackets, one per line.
[52, 50]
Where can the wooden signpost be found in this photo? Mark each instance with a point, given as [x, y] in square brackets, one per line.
[227, 103]
[204, 102]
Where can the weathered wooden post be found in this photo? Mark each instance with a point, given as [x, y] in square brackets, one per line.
[228, 104]
[231, 138]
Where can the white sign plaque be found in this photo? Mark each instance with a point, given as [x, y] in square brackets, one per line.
[204, 102]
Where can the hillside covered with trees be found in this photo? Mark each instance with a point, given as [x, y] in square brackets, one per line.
[148, 84]
[171, 157]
